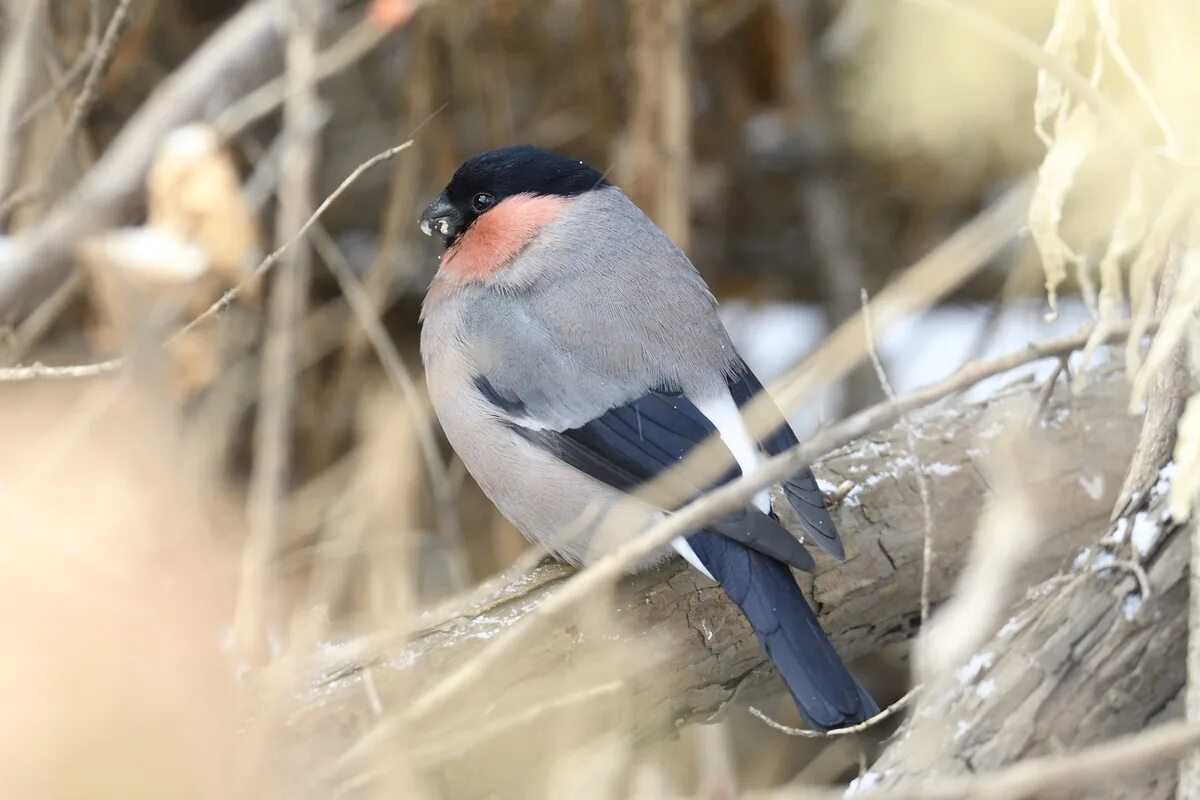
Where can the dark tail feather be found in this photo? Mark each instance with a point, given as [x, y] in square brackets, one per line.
[824, 690]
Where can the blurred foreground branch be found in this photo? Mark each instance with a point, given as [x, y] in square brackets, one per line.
[692, 653]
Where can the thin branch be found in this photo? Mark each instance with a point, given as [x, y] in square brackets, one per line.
[16, 77]
[1189, 770]
[806, 733]
[911, 441]
[1039, 407]
[34, 327]
[105, 51]
[38, 371]
[1108, 29]
[270, 261]
[934, 275]
[62, 85]
[73, 73]
[1133, 568]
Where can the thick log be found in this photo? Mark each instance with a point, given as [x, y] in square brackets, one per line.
[1086, 658]
[669, 647]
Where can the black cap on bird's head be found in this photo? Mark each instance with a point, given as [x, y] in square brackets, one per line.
[488, 178]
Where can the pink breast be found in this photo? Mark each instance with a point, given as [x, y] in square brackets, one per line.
[499, 235]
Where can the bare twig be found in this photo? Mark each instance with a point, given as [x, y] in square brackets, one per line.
[73, 73]
[911, 440]
[106, 49]
[270, 261]
[805, 733]
[16, 78]
[104, 52]
[658, 140]
[91, 84]
[442, 749]
[1164, 403]
[1133, 568]
[37, 371]
[1047, 392]
[944, 268]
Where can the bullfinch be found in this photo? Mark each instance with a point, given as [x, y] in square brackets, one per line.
[574, 356]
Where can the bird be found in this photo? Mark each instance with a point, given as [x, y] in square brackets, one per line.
[573, 356]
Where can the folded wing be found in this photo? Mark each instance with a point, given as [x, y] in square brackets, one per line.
[634, 446]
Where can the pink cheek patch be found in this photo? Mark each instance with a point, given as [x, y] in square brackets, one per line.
[498, 235]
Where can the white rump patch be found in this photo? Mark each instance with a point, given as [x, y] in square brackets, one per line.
[723, 413]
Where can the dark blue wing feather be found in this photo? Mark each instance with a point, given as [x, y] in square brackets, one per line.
[824, 690]
[801, 490]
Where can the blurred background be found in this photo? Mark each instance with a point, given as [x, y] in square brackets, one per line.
[800, 151]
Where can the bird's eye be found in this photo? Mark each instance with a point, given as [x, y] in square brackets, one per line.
[482, 202]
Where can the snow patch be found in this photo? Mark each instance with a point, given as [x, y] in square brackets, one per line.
[826, 487]
[1145, 534]
[919, 351]
[1009, 628]
[1130, 606]
[1041, 590]
[979, 662]
[1120, 530]
[485, 626]
[942, 470]
[1081, 560]
[985, 689]
[865, 783]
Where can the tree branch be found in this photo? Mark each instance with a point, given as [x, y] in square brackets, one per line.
[1086, 658]
[673, 643]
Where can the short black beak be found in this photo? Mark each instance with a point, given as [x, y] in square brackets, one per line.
[442, 218]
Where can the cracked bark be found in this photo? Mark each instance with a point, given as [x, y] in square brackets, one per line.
[1084, 659]
[670, 648]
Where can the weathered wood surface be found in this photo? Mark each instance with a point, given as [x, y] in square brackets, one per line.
[1085, 658]
[670, 648]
